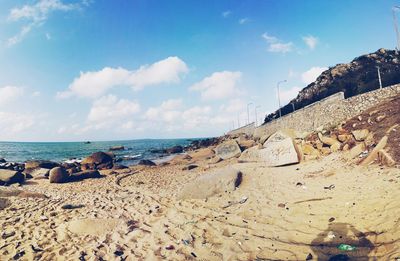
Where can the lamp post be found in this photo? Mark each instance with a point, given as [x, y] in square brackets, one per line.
[255, 114]
[248, 114]
[279, 99]
[396, 28]
[379, 77]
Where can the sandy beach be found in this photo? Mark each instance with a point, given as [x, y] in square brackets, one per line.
[282, 213]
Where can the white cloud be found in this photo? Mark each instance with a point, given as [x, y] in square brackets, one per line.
[244, 20]
[219, 85]
[37, 14]
[95, 84]
[275, 45]
[9, 94]
[168, 111]
[109, 108]
[14, 122]
[312, 74]
[196, 116]
[310, 41]
[286, 95]
[226, 13]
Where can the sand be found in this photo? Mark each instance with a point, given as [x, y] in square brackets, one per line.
[285, 213]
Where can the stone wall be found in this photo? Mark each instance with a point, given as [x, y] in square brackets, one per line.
[328, 112]
[247, 129]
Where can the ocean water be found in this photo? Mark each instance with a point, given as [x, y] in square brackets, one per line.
[134, 151]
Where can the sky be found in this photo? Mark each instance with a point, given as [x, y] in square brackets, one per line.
[115, 70]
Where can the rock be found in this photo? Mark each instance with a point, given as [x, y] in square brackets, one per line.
[4, 203]
[215, 160]
[346, 147]
[35, 164]
[58, 175]
[11, 176]
[88, 174]
[325, 151]
[98, 160]
[380, 118]
[228, 149]
[335, 147]
[2, 160]
[213, 183]
[344, 137]
[146, 162]
[357, 150]
[280, 150]
[116, 148]
[251, 155]
[308, 149]
[374, 153]
[385, 159]
[245, 143]
[182, 158]
[360, 135]
[27, 194]
[190, 167]
[369, 140]
[175, 149]
[202, 154]
[327, 140]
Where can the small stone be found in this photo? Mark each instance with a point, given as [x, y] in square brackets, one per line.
[281, 205]
[380, 118]
[331, 219]
[309, 256]
[360, 135]
[170, 247]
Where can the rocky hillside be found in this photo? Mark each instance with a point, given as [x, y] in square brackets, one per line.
[352, 78]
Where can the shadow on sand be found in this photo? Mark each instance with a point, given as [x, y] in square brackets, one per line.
[325, 245]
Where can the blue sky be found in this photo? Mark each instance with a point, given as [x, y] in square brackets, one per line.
[111, 70]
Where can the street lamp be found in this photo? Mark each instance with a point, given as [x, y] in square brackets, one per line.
[396, 28]
[279, 100]
[255, 113]
[248, 114]
[379, 77]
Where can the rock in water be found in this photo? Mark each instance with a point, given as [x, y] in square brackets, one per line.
[279, 150]
[210, 184]
[228, 149]
[11, 176]
[58, 175]
[117, 148]
[175, 149]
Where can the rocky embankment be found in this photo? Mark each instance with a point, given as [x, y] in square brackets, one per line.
[356, 77]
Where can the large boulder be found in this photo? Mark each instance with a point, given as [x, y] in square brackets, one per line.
[280, 150]
[88, 174]
[213, 183]
[251, 155]
[228, 149]
[58, 175]
[35, 164]
[98, 160]
[11, 176]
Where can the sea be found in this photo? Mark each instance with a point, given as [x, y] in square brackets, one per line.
[134, 150]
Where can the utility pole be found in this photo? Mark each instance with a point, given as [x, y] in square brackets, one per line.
[396, 28]
[379, 77]
[255, 114]
[279, 99]
[248, 114]
[238, 122]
